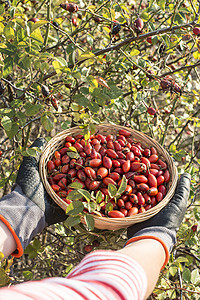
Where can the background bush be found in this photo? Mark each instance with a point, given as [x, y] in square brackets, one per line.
[96, 75]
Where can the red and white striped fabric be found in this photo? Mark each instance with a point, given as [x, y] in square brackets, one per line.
[101, 275]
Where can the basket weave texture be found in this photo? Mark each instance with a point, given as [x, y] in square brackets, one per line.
[58, 142]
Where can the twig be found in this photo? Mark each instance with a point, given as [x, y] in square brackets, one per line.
[4, 101]
[130, 40]
[22, 127]
[190, 254]
[48, 25]
[69, 37]
[197, 13]
[177, 288]
[183, 128]
[168, 120]
[194, 198]
[18, 89]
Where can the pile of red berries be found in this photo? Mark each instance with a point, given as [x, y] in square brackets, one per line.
[104, 160]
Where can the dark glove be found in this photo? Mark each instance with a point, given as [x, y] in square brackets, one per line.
[165, 224]
[28, 179]
[28, 209]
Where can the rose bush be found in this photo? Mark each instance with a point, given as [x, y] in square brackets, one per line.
[131, 63]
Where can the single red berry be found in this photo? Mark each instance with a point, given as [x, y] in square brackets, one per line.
[1, 152]
[88, 248]
[149, 39]
[165, 84]
[97, 19]
[151, 111]
[34, 20]
[139, 24]
[74, 21]
[194, 228]
[71, 7]
[196, 30]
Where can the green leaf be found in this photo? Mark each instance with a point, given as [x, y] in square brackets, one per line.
[195, 278]
[109, 206]
[32, 252]
[74, 195]
[187, 275]
[47, 122]
[86, 55]
[134, 52]
[37, 36]
[91, 206]
[85, 194]
[89, 220]
[123, 186]
[8, 66]
[9, 32]
[61, 61]
[112, 190]
[71, 148]
[74, 208]
[93, 107]
[6, 123]
[32, 109]
[173, 270]
[4, 279]
[99, 197]
[161, 3]
[28, 275]
[72, 221]
[36, 244]
[181, 259]
[65, 125]
[29, 152]
[92, 81]
[14, 129]
[37, 25]
[1, 255]
[75, 185]
[73, 154]
[81, 100]
[57, 66]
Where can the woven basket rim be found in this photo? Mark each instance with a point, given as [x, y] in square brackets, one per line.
[58, 140]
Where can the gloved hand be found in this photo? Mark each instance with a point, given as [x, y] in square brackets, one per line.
[164, 225]
[28, 209]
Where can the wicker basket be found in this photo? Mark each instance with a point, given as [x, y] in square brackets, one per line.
[102, 222]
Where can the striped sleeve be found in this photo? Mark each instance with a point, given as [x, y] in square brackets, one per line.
[101, 275]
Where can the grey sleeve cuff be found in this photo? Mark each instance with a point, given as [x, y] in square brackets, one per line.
[23, 215]
[168, 236]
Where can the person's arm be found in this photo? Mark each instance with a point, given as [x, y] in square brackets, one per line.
[28, 209]
[150, 254]
[7, 241]
[151, 242]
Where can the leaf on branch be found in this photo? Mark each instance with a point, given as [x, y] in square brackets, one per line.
[6, 122]
[72, 221]
[47, 122]
[112, 190]
[75, 208]
[122, 186]
[102, 82]
[75, 185]
[99, 197]
[86, 55]
[74, 195]
[85, 194]
[37, 25]
[89, 220]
